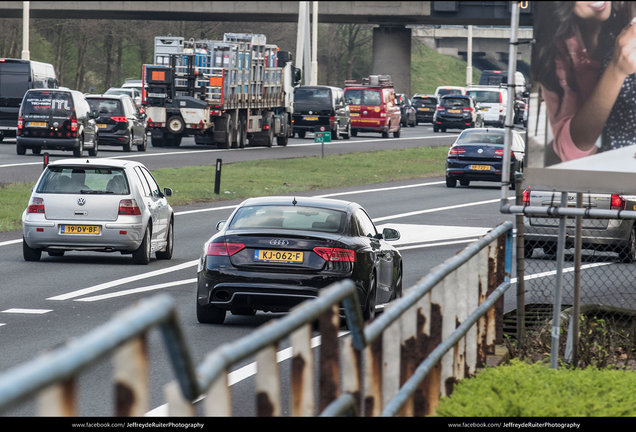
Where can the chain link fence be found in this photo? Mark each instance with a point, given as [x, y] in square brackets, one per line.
[606, 291]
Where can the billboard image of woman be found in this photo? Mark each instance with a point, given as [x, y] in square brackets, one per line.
[583, 98]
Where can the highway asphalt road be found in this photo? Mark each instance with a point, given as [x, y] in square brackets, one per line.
[46, 303]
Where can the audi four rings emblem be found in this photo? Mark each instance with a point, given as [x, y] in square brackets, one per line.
[81, 201]
[278, 242]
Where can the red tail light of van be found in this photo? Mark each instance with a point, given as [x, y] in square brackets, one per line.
[74, 124]
[19, 123]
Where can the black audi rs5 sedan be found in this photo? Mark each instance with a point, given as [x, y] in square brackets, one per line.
[276, 252]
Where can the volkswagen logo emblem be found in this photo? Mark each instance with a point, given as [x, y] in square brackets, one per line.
[81, 201]
[480, 151]
[310, 112]
[278, 242]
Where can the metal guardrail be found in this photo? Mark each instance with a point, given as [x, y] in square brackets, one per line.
[399, 364]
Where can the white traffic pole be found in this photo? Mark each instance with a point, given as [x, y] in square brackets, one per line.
[469, 53]
[314, 46]
[300, 37]
[25, 31]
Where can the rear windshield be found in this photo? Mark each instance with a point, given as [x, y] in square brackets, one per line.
[424, 101]
[289, 217]
[363, 97]
[493, 79]
[444, 92]
[484, 96]
[44, 103]
[107, 106]
[120, 92]
[481, 138]
[455, 103]
[60, 179]
[317, 96]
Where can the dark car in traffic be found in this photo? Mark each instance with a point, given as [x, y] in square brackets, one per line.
[457, 112]
[477, 155]
[58, 119]
[425, 106]
[407, 110]
[321, 106]
[276, 252]
[119, 121]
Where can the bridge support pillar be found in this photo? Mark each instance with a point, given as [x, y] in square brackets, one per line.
[392, 56]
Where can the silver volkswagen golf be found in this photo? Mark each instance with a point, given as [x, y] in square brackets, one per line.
[103, 205]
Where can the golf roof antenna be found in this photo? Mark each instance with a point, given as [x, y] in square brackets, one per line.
[294, 202]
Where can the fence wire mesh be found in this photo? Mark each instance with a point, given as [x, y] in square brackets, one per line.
[607, 320]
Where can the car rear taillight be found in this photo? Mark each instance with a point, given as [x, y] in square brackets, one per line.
[501, 153]
[118, 118]
[456, 151]
[439, 108]
[224, 249]
[469, 109]
[74, 124]
[36, 205]
[526, 197]
[19, 123]
[336, 254]
[617, 202]
[129, 207]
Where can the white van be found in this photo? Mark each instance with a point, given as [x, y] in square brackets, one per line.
[449, 90]
[493, 101]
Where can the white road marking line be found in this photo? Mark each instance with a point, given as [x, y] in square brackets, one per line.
[418, 212]
[137, 290]
[27, 311]
[141, 155]
[113, 283]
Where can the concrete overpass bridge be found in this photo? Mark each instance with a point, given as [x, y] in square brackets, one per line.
[391, 39]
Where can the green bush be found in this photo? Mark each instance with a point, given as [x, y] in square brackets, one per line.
[534, 390]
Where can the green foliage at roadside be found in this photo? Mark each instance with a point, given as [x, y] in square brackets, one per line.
[429, 69]
[534, 390]
[267, 177]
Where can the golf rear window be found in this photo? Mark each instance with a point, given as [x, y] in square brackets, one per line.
[74, 179]
[480, 138]
[288, 217]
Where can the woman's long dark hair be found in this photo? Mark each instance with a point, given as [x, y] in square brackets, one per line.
[554, 23]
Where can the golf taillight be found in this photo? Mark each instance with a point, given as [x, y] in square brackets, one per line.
[36, 205]
[336, 254]
[526, 197]
[129, 207]
[617, 202]
[224, 249]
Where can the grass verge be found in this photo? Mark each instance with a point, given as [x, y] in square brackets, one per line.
[267, 177]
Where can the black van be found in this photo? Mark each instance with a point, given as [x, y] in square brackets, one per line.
[321, 106]
[16, 77]
[58, 119]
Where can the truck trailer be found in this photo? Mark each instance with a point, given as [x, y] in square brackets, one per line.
[231, 93]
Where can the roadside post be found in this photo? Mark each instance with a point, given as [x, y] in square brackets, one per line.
[217, 178]
[320, 136]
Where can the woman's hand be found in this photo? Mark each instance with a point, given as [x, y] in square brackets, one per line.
[624, 58]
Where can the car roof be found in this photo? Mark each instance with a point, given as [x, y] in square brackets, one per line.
[329, 203]
[425, 95]
[101, 162]
[457, 96]
[107, 96]
[485, 129]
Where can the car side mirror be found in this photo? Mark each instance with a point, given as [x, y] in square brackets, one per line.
[220, 225]
[167, 192]
[390, 234]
